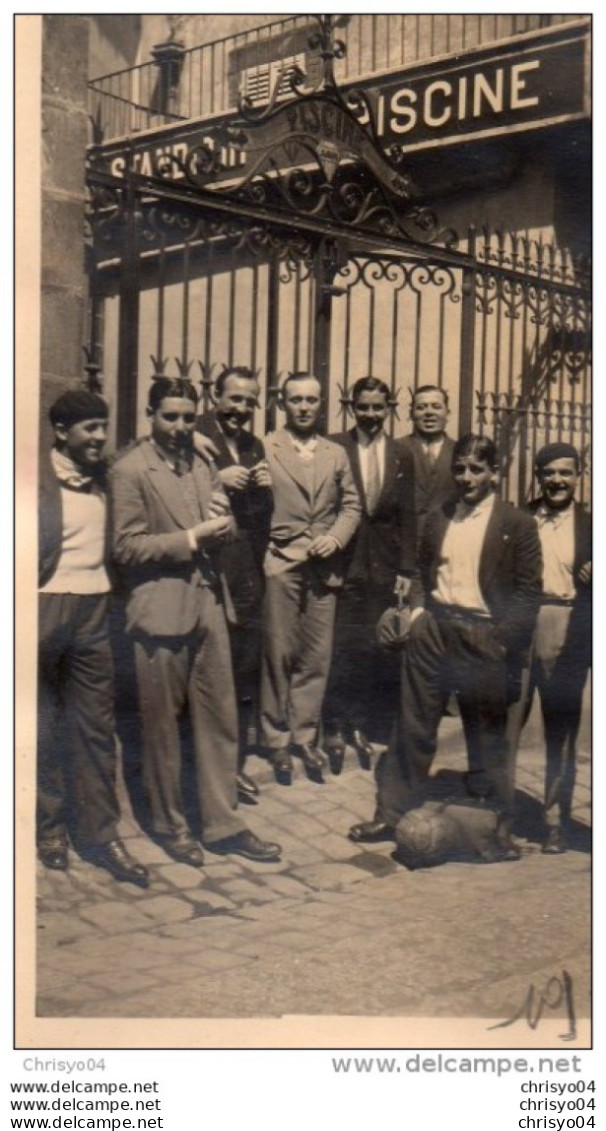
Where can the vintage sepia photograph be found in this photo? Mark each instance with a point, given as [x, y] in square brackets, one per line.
[308, 760]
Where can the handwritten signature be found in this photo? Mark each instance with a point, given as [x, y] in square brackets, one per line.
[556, 991]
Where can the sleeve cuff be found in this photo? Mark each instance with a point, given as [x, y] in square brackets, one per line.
[191, 538]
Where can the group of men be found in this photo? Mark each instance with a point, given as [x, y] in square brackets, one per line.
[254, 578]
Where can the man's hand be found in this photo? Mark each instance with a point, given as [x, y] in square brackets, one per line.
[260, 474]
[219, 505]
[323, 546]
[204, 446]
[213, 530]
[585, 573]
[234, 478]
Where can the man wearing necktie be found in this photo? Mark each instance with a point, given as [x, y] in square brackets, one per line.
[431, 451]
[379, 563]
[169, 512]
[316, 511]
[561, 653]
[475, 597]
[76, 734]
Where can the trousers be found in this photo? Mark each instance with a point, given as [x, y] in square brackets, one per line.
[76, 764]
[192, 672]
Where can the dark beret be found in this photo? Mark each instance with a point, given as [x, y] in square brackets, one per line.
[76, 405]
[557, 450]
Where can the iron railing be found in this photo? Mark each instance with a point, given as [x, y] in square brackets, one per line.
[184, 83]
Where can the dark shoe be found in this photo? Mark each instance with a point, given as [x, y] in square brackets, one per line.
[282, 764]
[362, 748]
[183, 849]
[555, 843]
[334, 745]
[116, 859]
[248, 845]
[53, 855]
[371, 832]
[248, 790]
[314, 759]
[501, 853]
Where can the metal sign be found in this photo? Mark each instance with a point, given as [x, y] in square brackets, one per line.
[535, 83]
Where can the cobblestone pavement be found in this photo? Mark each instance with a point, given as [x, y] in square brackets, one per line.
[334, 928]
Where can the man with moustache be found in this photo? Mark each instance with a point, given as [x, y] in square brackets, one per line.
[76, 764]
[242, 468]
[316, 511]
[169, 513]
[561, 654]
[475, 598]
[379, 562]
[431, 451]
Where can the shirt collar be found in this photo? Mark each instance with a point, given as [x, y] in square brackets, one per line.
[463, 511]
[365, 441]
[67, 471]
[553, 514]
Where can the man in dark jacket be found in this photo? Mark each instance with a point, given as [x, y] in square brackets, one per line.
[76, 742]
[242, 468]
[561, 653]
[475, 599]
[379, 563]
[430, 450]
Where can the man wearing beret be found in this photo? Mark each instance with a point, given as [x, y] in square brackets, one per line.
[562, 643]
[76, 744]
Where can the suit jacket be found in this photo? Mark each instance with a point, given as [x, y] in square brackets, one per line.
[510, 570]
[149, 522]
[580, 629]
[433, 481]
[252, 507]
[385, 542]
[300, 514]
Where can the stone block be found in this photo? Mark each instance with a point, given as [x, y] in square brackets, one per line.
[167, 909]
[65, 58]
[62, 334]
[115, 917]
[64, 140]
[63, 250]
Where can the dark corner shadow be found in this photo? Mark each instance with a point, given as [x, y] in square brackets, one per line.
[529, 824]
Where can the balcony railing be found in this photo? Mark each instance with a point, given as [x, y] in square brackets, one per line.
[202, 81]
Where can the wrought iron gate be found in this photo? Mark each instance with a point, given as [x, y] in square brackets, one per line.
[319, 256]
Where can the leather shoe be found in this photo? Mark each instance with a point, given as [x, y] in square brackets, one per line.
[313, 758]
[362, 748]
[371, 832]
[505, 851]
[115, 858]
[248, 845]
[282, 764]
[54, 856]
[183, 849]
[554, 843]
[334, 745]
[248, 790]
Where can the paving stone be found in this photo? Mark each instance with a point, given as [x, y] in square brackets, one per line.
[241, 889]
[167, 909]
[332, 876]
[213, 900]
[122, 984]
[68, 1001]
[180, 876]
[49, 979]
[57, 928]
[286, 885]
[114, 917]
[215, 960]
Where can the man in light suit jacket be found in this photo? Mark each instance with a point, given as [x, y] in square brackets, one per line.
[475, 600]
[242, 467]
[379, 563]
[561, 653]
[169, 512]
[316, 511]
[431, 451]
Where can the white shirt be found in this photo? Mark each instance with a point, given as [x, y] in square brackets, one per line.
[432, 448]
[556, 531]
[364, 444]
[458, 576]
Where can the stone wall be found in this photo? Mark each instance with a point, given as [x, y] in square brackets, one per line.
[64, 138]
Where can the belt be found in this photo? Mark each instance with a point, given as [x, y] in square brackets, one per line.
[563, 602]
[455, 612]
